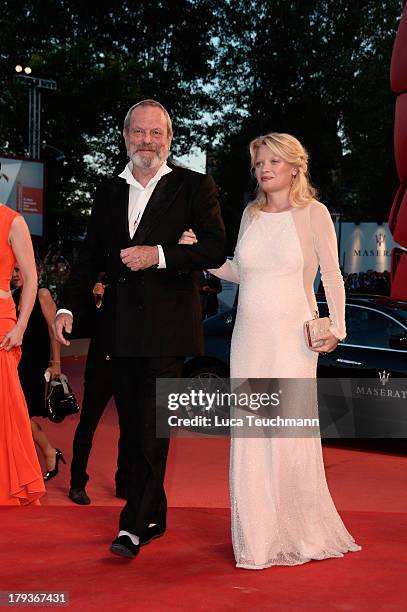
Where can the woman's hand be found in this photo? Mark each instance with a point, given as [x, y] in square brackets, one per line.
[188, 237]
[330, 342]
[13, 338]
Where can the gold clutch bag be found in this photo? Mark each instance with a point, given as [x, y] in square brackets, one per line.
[315, 328]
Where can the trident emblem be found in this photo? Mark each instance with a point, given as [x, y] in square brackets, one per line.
[380, 239]
[384, 377]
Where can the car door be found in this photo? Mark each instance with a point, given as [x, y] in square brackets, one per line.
[368, 349]
[367, 375]
[379, 389]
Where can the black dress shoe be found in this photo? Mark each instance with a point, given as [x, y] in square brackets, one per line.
[124, 547]
[152, 533]
[79, 496]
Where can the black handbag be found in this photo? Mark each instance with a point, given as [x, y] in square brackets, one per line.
[60, 400]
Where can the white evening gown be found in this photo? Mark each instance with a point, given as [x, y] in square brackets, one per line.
[282, 510]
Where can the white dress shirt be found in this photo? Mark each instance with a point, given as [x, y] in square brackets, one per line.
[139, 197]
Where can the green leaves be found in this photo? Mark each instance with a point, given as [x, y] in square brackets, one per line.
[317, 69]
[104, 57]
[227, 71]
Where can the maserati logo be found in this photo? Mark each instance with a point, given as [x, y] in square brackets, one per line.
[380, 239]
[384, 377]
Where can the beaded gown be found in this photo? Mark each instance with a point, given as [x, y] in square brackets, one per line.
[21, 481]
[282, 510]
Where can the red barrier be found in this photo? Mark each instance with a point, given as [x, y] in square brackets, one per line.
[398, 213]
[398, 66]
[398, 274]
[400, 136]
[398, 216]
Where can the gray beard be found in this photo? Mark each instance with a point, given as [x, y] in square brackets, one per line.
[147, 163]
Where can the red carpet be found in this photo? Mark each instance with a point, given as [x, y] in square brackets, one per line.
[62, 547]
[192, 567]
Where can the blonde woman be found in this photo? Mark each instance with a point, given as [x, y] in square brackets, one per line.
[282, 511]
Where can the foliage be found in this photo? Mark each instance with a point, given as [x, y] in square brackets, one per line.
[317, 69]
[105, 57]
[227, 71]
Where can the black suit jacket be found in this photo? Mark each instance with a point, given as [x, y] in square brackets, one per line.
[150, 313]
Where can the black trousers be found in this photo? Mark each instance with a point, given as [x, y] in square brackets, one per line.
[134, 382]
[98, 390]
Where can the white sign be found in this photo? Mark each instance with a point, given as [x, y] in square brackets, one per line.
[365, 246]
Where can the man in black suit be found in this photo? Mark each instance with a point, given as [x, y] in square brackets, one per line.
[151, 304]
[97, 392]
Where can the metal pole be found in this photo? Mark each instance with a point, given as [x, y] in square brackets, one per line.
[34, 123]
[37, 124]
[34, 110]
[30, 119]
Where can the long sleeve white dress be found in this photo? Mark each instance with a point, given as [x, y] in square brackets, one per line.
[282, 510]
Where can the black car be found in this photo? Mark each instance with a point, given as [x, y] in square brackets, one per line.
[372, 359]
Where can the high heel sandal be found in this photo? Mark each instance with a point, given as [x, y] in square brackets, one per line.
[58, 457]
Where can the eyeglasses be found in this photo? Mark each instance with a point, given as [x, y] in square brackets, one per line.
[155, 133]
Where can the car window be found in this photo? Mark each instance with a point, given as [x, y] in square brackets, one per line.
[402, 312]
[367, 327]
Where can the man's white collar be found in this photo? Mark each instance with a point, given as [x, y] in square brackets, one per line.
[127, 175]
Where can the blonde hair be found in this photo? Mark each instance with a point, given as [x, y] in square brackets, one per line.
[290, 150]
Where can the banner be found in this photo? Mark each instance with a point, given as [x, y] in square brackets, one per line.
[365, 246]
[22, 189]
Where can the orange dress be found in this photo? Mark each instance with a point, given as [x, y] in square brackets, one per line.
[21, 481]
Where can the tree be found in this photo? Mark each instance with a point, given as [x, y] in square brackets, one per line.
[317, 69]
[227, 72]
[104, 57]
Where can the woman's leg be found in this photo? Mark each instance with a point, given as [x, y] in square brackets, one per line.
[47, 450]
